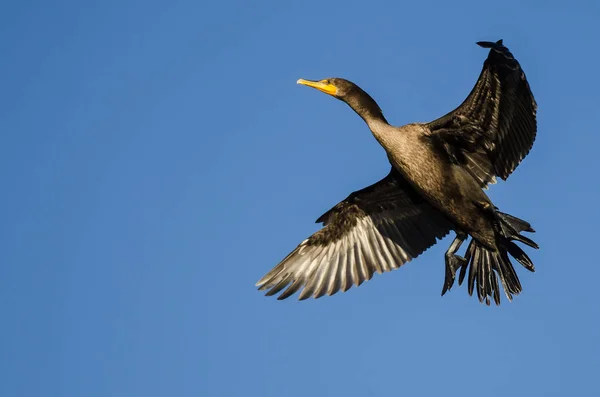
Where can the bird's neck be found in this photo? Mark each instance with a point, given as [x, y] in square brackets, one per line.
[368, 110]
[371, 113]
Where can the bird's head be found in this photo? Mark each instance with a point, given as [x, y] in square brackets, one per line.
[347, 91]
[336, 87]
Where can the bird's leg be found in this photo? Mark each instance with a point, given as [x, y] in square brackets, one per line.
[453, 261]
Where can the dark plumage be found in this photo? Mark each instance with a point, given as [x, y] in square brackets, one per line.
[434, 186]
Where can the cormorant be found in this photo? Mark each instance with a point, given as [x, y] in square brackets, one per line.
[435, 185]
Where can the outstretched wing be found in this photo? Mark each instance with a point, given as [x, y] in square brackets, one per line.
[376, 229]
[494, 128]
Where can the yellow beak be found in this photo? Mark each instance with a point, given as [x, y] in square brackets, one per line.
[322, 86]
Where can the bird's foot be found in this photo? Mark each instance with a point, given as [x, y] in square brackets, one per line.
[453, 263]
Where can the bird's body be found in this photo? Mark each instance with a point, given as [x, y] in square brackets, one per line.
[446, 186]
[439, 170]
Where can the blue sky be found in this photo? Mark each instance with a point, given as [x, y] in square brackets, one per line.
[157, 158]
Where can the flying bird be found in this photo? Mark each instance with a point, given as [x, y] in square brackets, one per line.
[438, 172]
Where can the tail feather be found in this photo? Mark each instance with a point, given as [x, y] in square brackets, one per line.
[486, 265]
[519, 225]
[511, 227]
[516, 252]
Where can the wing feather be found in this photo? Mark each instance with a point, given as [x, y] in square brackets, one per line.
[374, 230]
[494, 128]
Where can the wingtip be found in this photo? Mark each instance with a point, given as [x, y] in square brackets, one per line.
[490, 44]
[260, 283]
[303, 297]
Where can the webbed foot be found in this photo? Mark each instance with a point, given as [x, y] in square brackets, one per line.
[453, 261]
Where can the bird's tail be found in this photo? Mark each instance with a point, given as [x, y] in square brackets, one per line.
[485, 263]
